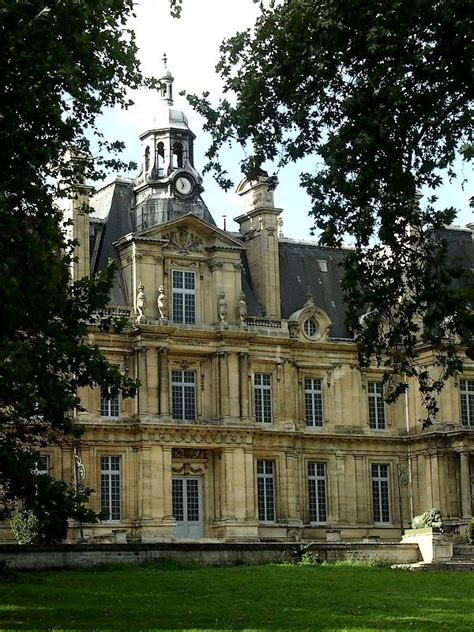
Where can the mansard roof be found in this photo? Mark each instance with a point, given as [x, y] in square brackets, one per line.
[306, 267]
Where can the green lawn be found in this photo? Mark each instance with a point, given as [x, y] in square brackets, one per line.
[260, 597]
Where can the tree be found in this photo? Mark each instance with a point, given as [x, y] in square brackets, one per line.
[63, 61]
[380, 93]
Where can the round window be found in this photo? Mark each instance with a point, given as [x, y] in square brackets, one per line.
[310, 328]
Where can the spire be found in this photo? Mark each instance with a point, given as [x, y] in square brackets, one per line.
[166, 81]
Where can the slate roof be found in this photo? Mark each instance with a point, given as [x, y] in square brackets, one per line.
[308, 267]
[304, 266]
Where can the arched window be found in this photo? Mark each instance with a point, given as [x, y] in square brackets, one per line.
[160, 159]
[177, 160]
[147, 159]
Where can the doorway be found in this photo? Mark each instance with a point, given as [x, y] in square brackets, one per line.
[187, 506]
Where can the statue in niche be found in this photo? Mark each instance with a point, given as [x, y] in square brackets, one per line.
[242, 309]
[222, 307]
[141, 303]
[161, 302]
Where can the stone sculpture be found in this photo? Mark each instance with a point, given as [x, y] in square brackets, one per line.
[430, 518]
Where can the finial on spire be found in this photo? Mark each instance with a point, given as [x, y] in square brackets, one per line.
[166, 82]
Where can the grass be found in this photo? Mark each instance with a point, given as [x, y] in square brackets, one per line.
[163, 596]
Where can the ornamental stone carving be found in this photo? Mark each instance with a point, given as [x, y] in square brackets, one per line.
[222, 308]
[162, 303]
[141, 303]
[215, 265]
[183, 241]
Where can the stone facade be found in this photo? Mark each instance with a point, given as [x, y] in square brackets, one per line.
[252, 421]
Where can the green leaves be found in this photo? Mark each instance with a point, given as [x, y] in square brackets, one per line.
[62, 62]
[383, 96]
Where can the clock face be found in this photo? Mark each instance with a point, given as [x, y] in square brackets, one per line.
[184, 185]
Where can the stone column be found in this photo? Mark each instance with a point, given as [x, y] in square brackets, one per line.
[229, 483]
[143, 377]
[224, 383]
[244, 385]
[145, 483]
[163, 381]
[435, 481]
[290, 491]
[464, 482]
[362, 500]
[341, 485]
[250, 486]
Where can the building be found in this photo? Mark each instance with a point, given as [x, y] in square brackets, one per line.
[253, 420]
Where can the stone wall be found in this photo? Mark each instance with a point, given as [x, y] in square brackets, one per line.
[74, 556]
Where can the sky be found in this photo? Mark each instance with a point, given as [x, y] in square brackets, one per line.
[192, 45]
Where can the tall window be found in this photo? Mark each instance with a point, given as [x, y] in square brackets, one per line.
[313, 402]
[266, 491]
[380, 493]
[109, 404]
[466, 388]
[177, 156]
[183, 385]
[184, 297]
[42, 464]
[376, 405]
[317, 492]
[160, 159]
[263, 398]
[110, 486]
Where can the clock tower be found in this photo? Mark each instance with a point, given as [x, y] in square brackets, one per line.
[168, 185]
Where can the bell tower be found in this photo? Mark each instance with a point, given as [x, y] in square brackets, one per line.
[168, 184]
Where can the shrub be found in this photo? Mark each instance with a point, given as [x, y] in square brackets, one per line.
[469, 531]
[24, 526]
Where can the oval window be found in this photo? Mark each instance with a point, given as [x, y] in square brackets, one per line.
[310, 328]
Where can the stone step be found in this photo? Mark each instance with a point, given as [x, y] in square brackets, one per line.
[451, 566]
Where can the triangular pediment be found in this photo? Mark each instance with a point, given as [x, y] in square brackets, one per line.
[187, 234]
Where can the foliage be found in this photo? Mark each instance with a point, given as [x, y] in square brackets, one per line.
[380, 95]
[24, 526]
[323, 597]
[62, 63]
[469, 531]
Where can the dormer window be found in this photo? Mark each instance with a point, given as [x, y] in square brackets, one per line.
[177, 158]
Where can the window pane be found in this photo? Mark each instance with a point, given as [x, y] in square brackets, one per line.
[313, 399]
[265, 491]
[110, 486]
[183, 395]
[263, 397]
[317, 492]
[376, 405]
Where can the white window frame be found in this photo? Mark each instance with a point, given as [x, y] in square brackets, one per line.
[109, 404]
[376, 405]
[263, 398]
[181, 387]
[186, 315]
[110, 483]
[380, 479]
[266, 507]
[313, 402]
[466, 393]
[317, 492]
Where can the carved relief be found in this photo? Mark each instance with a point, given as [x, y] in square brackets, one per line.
[188, 453]
[183, 241]
[215, 265]
[187, 469]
